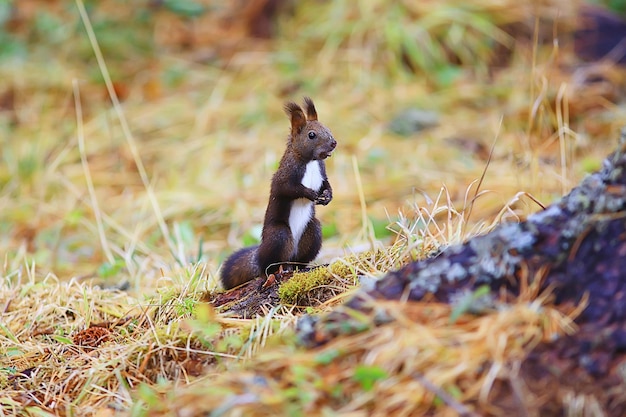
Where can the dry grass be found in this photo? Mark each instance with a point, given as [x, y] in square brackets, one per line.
[418, 364]
[150, 194]
[52, 365]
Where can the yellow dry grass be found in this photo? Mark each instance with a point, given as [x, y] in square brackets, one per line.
[150, 194]
[419, 363]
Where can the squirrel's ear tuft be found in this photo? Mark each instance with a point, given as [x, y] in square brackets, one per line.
[311, 113]
[298, 119]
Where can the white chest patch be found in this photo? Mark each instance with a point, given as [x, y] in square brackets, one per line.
[312, 177]
[302, 208]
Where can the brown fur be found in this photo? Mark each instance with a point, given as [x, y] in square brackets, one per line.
[309, 140]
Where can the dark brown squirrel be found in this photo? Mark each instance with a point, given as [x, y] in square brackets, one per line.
[291, 232]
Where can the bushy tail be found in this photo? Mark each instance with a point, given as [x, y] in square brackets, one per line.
[242, 266]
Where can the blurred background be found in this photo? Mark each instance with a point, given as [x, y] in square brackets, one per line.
[159, 156]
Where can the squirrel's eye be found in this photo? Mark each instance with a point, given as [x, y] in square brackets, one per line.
[312, 135]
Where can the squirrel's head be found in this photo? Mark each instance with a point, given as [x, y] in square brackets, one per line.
[309, 138]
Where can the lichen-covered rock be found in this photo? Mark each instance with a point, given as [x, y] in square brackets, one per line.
[577, 246]
[581, 239]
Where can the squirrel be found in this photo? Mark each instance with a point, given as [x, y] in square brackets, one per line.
[291, 232]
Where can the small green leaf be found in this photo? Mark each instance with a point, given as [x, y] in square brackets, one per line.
[36, 411]
[455, 391]
[204, 313]
[230, 343]
[591, 164]
[329, 230]
[447, 74]
[367, 376]
[148, 395]
[74, 217]
[108, 269]
[62, 339]
[185, 230]
[380, 227]
[188, 8]
[326, 357]
[13, 351]
[8, 333]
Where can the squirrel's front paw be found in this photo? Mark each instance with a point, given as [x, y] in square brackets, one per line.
[324, 197]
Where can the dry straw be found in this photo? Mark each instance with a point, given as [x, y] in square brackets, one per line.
[166, 186]
[418, 364]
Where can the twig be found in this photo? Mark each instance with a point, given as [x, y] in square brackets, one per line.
[445, 397]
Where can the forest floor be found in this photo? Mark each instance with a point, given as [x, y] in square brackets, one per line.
[134, 158]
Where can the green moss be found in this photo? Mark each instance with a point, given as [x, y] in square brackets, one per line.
[302, 282]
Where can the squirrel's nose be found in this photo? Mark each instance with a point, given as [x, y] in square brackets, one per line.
[333, 143]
